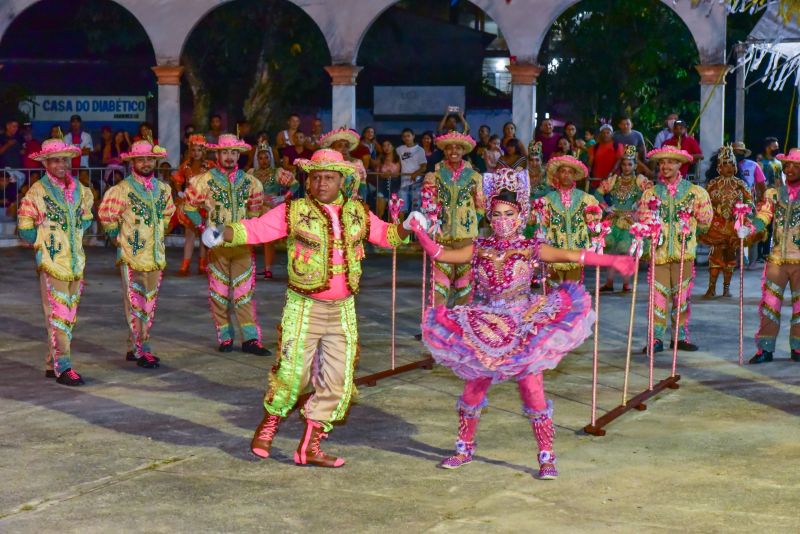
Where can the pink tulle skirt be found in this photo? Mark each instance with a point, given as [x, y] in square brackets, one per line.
[508, 340]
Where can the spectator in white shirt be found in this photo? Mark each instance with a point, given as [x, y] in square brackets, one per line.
[666, 132]
[412, 167]
[80, 139]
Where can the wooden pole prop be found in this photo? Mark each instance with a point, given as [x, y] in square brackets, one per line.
[395, 205]
[599, 230]
[638, 232]
[741, 210]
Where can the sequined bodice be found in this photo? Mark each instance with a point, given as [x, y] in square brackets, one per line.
[504, 269]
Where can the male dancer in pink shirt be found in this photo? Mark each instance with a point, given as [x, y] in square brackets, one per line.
[318, 340]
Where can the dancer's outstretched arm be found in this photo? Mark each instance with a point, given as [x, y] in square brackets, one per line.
[624, 264]
[434, 249]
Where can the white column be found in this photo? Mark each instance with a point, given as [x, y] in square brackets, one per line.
[343, 95]
[523, 99]
[740, 95]
[712, 121]
[169, 110]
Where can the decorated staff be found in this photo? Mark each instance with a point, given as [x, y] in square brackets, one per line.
[740, 212]
[598, 230]
[431, 208]
[684, 217]
[639, 233]
[395, 206]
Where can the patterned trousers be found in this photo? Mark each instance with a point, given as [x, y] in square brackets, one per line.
[452, 279]
[776, 278]
[231, 281]
[140, 296]
[60, 300]
[722, 258]
[318, 344]
[666, 295]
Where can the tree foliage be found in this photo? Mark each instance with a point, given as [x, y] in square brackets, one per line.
[604, 58]
[256, 59]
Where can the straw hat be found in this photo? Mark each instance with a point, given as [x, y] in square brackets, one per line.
[326, 159]
[455, 138]
[670, 152]
[342, 134]
[144, 149]
[56, 148]
[561, 161]
[197, 139]
[739, 147]
[229, 142]
[792, 157]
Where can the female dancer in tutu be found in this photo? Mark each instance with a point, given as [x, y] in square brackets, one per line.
[509, 332]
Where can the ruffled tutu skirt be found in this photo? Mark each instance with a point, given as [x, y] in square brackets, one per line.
[509, 340]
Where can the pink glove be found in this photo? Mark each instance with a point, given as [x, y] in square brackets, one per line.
[431, 247]
[624, 264]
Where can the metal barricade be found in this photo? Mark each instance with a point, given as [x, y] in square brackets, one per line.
[100, 179]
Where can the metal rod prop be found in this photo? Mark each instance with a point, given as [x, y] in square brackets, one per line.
[395, 205]
[394, 305]
[741, 301]
[596, 348]
[424, 285]
[741, 211]
[651, 312]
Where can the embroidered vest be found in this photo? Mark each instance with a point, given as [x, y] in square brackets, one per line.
[310, 244]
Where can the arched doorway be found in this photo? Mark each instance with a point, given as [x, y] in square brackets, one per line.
[451, 53]
[605, 59]
[95, 49]
[257, 60]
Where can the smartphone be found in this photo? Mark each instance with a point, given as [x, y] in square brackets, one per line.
[453, 109]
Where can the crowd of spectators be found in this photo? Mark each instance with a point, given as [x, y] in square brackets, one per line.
[394, 164]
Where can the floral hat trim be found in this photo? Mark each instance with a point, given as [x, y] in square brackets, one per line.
[342, 134]
[670, 152]
[455, 138]
[56, 148]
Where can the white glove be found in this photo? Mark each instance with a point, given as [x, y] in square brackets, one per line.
[743, 231]
[181, 194]
[417, 216]
[212, 237]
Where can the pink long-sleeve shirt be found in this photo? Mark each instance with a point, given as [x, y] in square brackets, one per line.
[272, 226]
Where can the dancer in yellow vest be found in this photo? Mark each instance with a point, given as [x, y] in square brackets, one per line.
[229, 195]
[318, 342]
[53, 216]
[135, 213]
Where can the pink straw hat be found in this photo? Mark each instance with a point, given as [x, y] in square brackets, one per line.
[230, 142]
[56, 148]
[144, 149]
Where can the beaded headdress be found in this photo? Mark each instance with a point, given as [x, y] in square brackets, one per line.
[535, 149]
[630, 152]
[511, 180]
[726, 155]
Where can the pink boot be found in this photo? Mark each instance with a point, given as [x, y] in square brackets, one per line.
[542, 424]
[468, 417]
